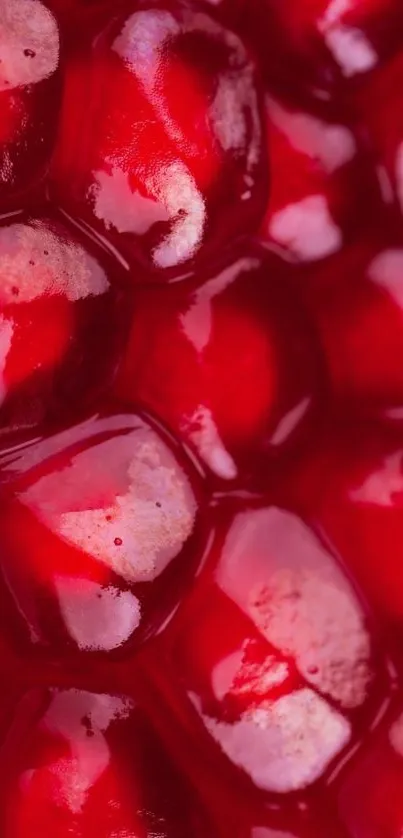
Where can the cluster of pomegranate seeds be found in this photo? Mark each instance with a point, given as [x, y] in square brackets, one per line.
[201, 418]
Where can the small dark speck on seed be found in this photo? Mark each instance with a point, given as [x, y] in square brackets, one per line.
[158, 504]
[30, 53]
[46, 253]
[118, 542]
[31, 262]
[15, 291]
[88, 726]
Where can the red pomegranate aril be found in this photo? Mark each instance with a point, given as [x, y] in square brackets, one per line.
[323, 188]
[90, 764]
[230, 366]
[29, 93]
[98, 531]
[351, 487]
[375, 106]
[62, 322]
[324, 46]
[357, 305]
[274, 652]
[168, 161]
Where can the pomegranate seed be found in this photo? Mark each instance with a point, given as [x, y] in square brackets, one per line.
[229, 366]
[90, 764]
[323, 188]
[29, 92]
[351, 486]
[274, 650]
[92, 521]
[170, 162]
[58, 315]
[375, 105]
[323, 46]
[356, 302]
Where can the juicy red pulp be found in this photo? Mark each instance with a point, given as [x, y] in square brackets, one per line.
[201, 441]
